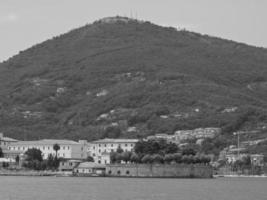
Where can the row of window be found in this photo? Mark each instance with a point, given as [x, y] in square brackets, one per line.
[111, 145]
[40, 148]
[110, 150]
[119, 172]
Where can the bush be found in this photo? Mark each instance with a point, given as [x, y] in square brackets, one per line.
[147, 159]
[156, 158]
[134, 158]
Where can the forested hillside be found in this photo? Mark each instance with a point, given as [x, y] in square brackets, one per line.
[120, 77]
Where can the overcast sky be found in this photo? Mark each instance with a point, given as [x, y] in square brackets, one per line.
[24, 23]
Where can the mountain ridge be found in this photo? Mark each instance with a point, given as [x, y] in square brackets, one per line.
[141, 72]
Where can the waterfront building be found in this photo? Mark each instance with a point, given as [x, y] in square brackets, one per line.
[100, 149]
[89, 169]
[68, 164]
[68, 148]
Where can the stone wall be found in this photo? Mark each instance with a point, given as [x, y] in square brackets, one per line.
[159, 170]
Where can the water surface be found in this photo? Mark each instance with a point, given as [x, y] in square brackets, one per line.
[77, 188]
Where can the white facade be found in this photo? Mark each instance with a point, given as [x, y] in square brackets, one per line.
[199, 133]
[168, 138]
[5, 141]
[68, 148]
[100, 150]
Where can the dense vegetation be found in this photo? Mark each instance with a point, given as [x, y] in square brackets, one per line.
[159, 151]
[34, 160]
[102, 79]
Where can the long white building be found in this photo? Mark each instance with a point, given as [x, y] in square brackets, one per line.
[68, 148]
[100, 149]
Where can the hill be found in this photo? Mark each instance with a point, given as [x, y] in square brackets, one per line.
[120, 77]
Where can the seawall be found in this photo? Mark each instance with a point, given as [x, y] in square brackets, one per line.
[159, 170]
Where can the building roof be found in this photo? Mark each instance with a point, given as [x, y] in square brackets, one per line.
[108, 140]
[45, 142]
[90, 165]
[8, 139]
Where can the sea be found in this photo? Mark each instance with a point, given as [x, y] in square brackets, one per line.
[101, 188]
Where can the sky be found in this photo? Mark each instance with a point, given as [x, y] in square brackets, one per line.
[24, 23]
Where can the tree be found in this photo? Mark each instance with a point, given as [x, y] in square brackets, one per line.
[1, 153]
[33, 159]
[34, 154]
[90, 159]
[177, 157]
[50, 161]
[168, 158]
[189, 151]
[134, 158]
[118, 157]
[147, 159]
[119, 149]
[171, 148]
[17, 159]
[56, 148]
[113, 157]
[126, 156]
[157, 158]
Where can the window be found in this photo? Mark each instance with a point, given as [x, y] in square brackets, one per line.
[127, 172]
[99, 145]
[63, 154]
[63, 147]
[105, 145]
[48, 148]
[126, 145]
[131, 145]
[43, 148]
[119, 172]
[111, 145]
[109, 172]
[68, 147]
[93, 147]
[99, 150]
[99, 162]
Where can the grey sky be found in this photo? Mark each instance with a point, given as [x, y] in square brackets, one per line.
[24, 23]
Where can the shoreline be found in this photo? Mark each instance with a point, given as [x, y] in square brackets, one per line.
[240, 176]
[70, 174]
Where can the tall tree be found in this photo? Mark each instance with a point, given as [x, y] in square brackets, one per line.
[1, 153]
[56, 148]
